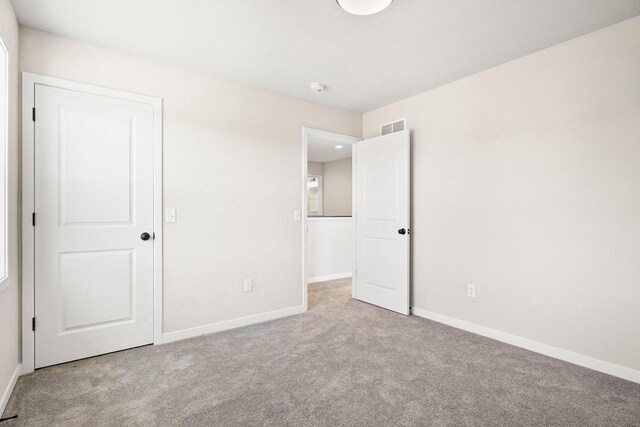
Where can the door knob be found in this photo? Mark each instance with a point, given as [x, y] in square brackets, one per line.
[402, 231]
[145, 236]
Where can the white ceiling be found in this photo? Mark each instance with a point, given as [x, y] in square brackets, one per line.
[324, 150]
[284, 45]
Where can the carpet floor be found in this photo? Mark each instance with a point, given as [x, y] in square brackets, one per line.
[343, 363]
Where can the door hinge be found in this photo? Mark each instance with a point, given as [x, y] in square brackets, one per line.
[33, 114]
[33, 324]
[33, 219]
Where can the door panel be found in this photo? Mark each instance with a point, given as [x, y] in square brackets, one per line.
[95, 168]
[93, 200]
[84, 294]
[382, 209]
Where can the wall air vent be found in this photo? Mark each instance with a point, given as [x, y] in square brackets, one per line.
[392, 127]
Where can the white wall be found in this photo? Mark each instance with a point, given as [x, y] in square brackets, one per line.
[9, 297]
[526, 182]
[315, 168]
[330, 248]
[337, 188]
[221, 142]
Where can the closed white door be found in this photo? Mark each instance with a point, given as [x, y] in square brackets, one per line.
[382, 221]
[93, 204]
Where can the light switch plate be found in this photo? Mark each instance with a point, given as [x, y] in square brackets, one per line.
[297, 215]
[170, 216]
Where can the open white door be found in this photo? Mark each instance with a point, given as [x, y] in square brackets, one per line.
[382, 221]
[94, 219]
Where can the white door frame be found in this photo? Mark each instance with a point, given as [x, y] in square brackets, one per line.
[29, 81]
[343, 139]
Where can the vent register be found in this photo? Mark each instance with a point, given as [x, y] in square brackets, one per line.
[393, 127]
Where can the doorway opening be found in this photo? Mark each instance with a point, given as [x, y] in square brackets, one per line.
[368, 244]
[328, 203]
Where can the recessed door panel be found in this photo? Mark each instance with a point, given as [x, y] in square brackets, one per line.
[89, 300]
[380, 187]
[96, 153]
[375, 273]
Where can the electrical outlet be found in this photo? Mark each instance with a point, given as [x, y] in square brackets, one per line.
[471, 291]
[248, 285]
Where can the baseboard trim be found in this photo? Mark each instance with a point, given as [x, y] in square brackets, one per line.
[230, 324]
[329, 277]
[535, 346]
[9, 389]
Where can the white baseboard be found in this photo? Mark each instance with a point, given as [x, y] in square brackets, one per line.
[9, 389]
[328, 277]
[230, 324]
[535, 346]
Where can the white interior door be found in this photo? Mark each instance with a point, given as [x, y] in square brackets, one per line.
[93, 202]
[382, 221]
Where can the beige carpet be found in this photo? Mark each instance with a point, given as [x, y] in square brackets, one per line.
[344, 363]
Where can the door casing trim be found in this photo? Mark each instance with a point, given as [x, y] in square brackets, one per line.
[29, 80]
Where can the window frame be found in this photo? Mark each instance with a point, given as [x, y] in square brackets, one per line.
[5, 92]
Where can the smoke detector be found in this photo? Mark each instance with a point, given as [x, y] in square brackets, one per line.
[318, 87]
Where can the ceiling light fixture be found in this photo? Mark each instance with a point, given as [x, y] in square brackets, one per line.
[364, 7]
[338, 147]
